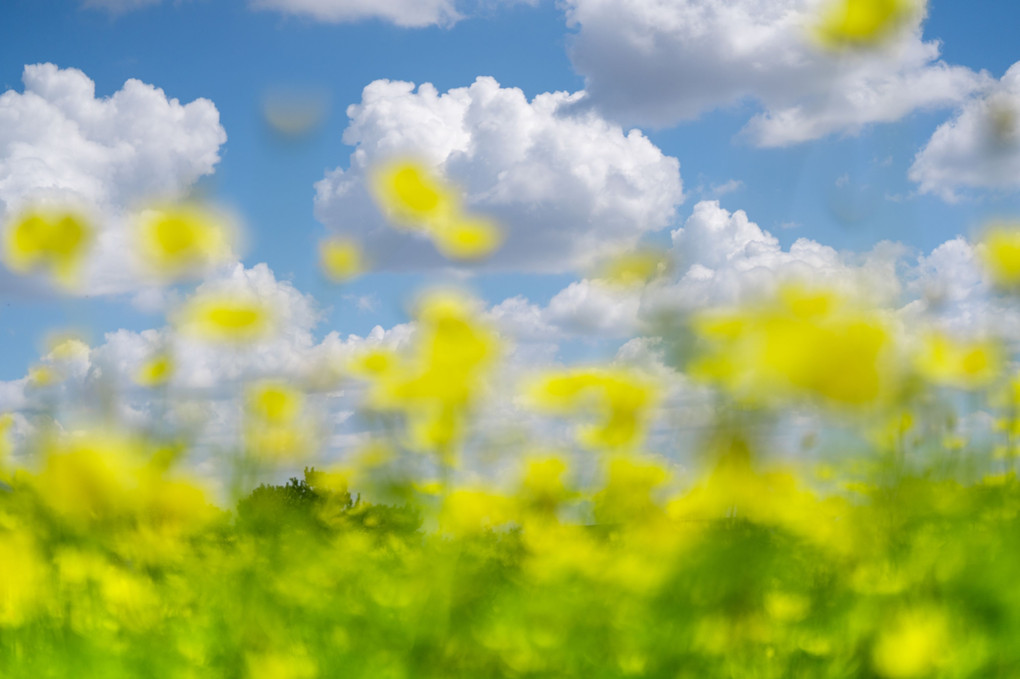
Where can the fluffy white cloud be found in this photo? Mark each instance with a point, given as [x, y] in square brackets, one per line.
[565, 188]
[408, 13]
[59, 143]
[979, 148]
[654, 62]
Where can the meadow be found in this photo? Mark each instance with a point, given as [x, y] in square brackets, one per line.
[895, 560]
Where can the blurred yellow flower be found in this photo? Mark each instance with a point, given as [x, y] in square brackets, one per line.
[274, 402]
[412, 196]
[863, 23]
[6, 423]
[913, 645]
[179, 240]
[340, 258]
[621, 399]
[1000, 250]
[634, 268]
[410, 193]
[227, 317]
[155, 371]
[51, 240]
[275, 426]
[436, 383]
[962, 364]
[465, 237]
[802, 343]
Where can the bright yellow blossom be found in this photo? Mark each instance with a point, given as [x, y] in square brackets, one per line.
[51, 240]
[803, 343]
[228, 317]
[411, 194]
[436, 385]
[155, 371]
[955, 363]
[178, 240]
[465, 237]
[864, 23]
[1000, 250]
[621, 400]
[913, 645]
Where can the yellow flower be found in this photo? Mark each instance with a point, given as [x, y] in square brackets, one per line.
[50, 240]
[466, 237]
[275, 427]
[155, 371]
[411, 194]
[1000, 250]
[634, 268]
[274, 402]
[802, 343]
[621, 399]
[862, 23]
[913, 645]
[227, 317]
[340, 258]
[181, 239]
[435, 385]
[967, 365]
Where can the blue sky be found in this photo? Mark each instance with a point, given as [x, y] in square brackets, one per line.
[839, 176]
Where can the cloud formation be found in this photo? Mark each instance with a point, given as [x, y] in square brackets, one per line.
[979, 148]
[566, 189]
[654, 63]
[59, 143]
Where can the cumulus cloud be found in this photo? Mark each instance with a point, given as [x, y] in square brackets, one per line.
[649, 62]
[977, 149]
[566, 189]
[60, 143]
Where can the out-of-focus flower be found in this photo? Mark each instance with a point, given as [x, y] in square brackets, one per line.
[180, 240]
[275, 422]
[802, 343]
[6, 423]
[466, 237]
[436, 385]
[227, 317]
[51, 240]
[1000, 250]
[913, 645]
[634, 268]
[864, 23]
[23, 586]
[341, 259]
[962, 364]
[42, 376]
[274, 402]
[621, 400]
[155, 371]
[411, 195]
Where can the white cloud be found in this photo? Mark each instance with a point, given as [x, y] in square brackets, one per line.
[407, 13]
[59, 143]
[658, 63]
[566, 189]
[118, 6]
[979, 148]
